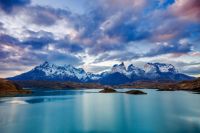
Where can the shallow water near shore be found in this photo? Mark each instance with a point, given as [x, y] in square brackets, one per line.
[86, 111]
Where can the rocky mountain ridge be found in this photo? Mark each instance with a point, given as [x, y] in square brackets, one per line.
[119, 74]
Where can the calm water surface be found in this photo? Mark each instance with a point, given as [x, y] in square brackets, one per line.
[85, 111]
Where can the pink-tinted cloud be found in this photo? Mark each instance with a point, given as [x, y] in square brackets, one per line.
[164, 37]
[187, 10]
[175, 55]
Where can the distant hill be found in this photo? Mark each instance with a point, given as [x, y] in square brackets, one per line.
[9, 88]
[118, 74]
[192, 85]
[164, 85]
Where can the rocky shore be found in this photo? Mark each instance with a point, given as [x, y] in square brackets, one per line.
[9, 88]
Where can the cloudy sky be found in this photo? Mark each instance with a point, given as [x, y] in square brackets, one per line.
[95, 34]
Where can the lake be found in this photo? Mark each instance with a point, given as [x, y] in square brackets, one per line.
[86, 111]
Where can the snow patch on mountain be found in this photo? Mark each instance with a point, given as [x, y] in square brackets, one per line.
[119, 68]
[52, 70]
[118, 74]
[135, 70]
[159, 67]
[93, 76]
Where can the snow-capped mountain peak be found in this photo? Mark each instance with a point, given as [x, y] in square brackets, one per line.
[45, 65]
[118, 74]
[52, 70]
[122, 65]
[131, 67]
[93, 76]
[150, 68]
[166, 67]
[135, 70]
[119, 68]
[159, 67]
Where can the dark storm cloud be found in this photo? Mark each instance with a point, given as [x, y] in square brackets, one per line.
[167, 48]
[92, 21]
[8, 5]
[112, 32]
[17, 58]
[126, 25]
[38, 43]
[105, 47]
[47, 16]
[34, 42]
[69, 46]
[118, 56]
[128, 32]
[62, 58]
[29, 58]
[1, 27]
[16, 55]
[7, 39]
[4, 54]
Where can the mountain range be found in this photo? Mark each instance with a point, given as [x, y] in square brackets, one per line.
[119, 74]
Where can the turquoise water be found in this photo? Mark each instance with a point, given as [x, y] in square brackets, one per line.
[85, 111]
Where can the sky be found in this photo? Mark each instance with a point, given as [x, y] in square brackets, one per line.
[96, 34]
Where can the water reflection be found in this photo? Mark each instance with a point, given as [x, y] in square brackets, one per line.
[40, 100]
[87, 112]
[17, 102]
